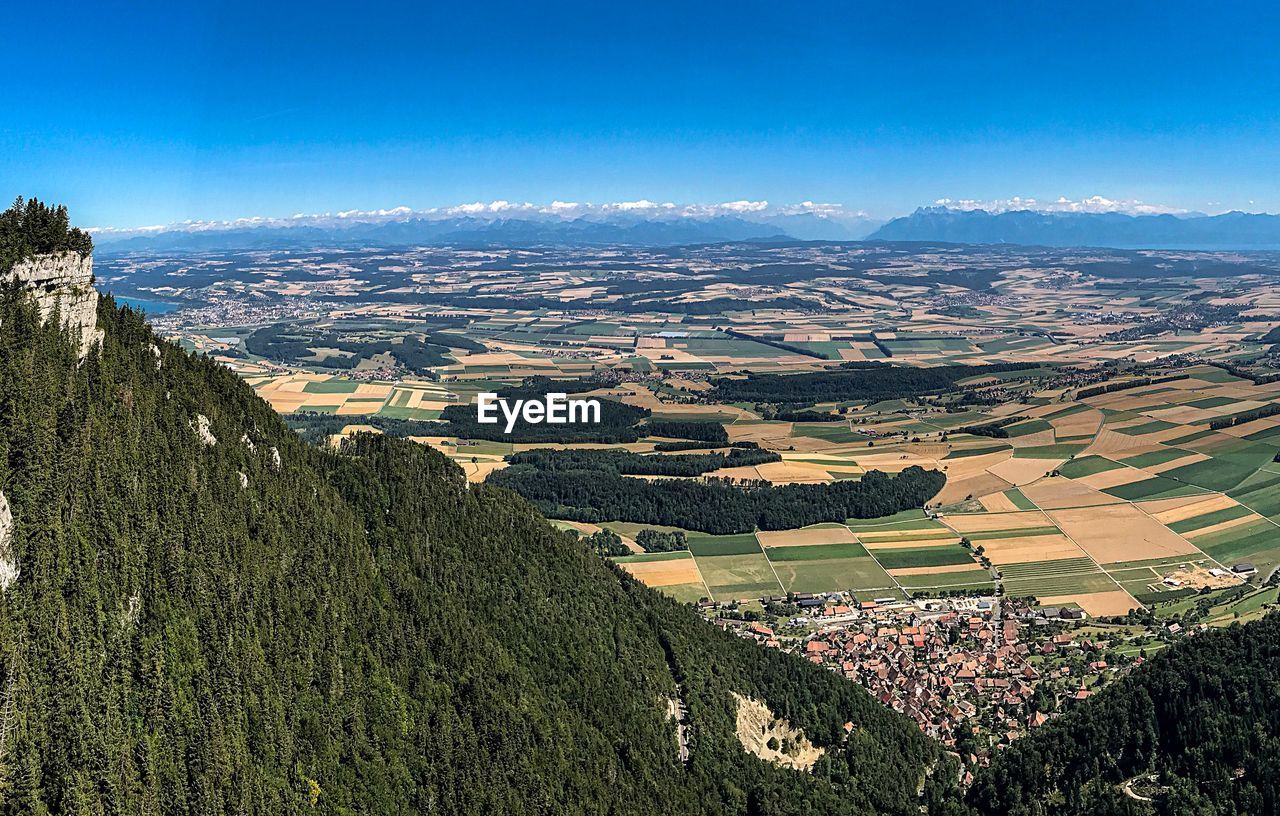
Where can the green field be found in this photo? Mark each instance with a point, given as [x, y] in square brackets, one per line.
[1087, 466]
[832, 575]
[701, 544]
[738, 576]
[1257, 542]
[1019, 500]
[1227, 469]
[923, 557]
[331, 387]
[815, 552]
[1210, 519]
[964, 453]
[1153, 458]
[1157, 487]
[1067, 576]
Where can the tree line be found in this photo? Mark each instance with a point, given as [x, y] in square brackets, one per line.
[712, 505]
[636, 464]
[855, 382]
[31, 227]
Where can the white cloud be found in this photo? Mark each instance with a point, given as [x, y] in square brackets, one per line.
[744, 206]
[821, 210]
[501, 208]
[1092, 204]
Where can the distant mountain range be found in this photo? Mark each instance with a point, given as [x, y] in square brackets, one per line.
[1233, 230]
[490, 231]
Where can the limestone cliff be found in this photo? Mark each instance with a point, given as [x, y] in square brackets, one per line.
[8, 560]
[64, 281]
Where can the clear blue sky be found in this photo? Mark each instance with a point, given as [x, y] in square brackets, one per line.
[142, 113]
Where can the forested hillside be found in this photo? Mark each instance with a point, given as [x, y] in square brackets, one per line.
[212, 617]
[1196, 727]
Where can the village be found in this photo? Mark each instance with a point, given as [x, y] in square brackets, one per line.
[974, 673]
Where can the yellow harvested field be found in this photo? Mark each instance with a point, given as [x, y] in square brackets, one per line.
[974, 567]
[1077, 424]
[776, 473]
[1157, 506]
[792, 472]
[1222, 525]
[1114, 478]
[479, 471]
[1120, 533]
[1112, 441]
[901, 535]
[974, 486]
[973, 465]
[1182, 414]
[998, 503]
[1116, 602]
[1256, 425]
[1056, 493]
[1024, 471]
[1030, 548]
[805, 537]
[354, 406]
[986, 522]
[761, 433]
[665, 573]
[1197, 506]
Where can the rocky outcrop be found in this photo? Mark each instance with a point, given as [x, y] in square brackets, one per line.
[8, 560]
[203, 430]
[63, 281]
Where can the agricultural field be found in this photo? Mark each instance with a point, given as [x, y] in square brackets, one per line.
[1107, 440]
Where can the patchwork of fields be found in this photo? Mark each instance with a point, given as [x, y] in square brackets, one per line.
[1106, 503]
[888, 558]
[1108, 493]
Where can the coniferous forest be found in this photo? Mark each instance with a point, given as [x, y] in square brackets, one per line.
[1198, 724]
[31, 227]
[591, 491]
[206, 629]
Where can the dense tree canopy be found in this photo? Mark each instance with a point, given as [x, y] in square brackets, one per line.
[716, 505]
[1202, 716]
[31, 227]
[860, 382]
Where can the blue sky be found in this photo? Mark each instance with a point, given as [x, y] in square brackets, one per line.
[144, 113]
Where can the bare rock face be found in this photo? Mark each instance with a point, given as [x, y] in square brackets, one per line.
[202, 428]
[8, 560]
[63, 281]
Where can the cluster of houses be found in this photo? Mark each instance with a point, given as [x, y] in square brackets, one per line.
[958, 673]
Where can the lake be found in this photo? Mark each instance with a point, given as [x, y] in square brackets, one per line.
[151, 307]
